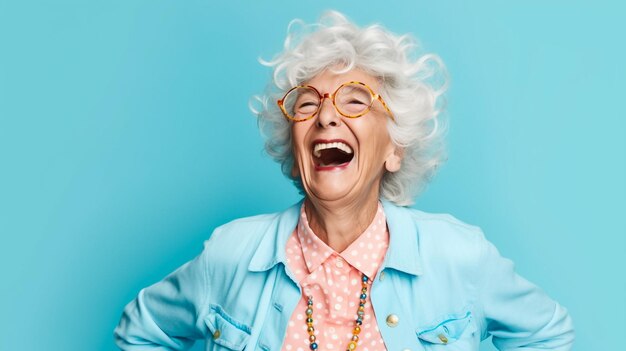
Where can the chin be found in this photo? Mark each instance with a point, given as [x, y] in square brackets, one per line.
[328, 193]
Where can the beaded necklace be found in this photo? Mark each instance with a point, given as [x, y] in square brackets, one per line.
[357, 324]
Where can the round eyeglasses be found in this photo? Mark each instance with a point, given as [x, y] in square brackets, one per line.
[351, 100]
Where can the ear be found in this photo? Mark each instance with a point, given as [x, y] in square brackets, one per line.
[393, 162]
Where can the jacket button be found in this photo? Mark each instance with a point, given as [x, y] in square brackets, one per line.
[217, 334]
[392, 320]
[443, 338]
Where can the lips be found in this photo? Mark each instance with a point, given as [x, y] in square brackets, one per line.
[331, 154]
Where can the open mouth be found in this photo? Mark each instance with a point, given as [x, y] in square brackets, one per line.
[332, 154]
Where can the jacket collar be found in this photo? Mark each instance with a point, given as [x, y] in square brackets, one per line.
[402, 254]
[271, 250]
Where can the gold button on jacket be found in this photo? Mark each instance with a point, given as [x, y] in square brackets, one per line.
[392, 320]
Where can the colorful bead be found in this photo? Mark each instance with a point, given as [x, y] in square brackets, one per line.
[359, 320]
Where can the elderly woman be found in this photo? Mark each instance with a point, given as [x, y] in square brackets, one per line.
[353, 120]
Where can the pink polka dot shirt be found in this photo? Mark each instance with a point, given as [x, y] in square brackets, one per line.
[334, 281]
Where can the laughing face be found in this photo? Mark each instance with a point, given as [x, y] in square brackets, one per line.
[340, 158]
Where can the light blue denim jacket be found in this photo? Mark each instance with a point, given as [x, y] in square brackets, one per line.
[442, 286]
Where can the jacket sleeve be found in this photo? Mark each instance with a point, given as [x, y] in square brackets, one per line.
[168, 314]
[518, 314]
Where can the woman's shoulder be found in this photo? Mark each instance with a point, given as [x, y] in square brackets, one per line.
[445, 225]
[259, 225]
[442, 235]
[245, 236]
[439, 225]
[252, 222]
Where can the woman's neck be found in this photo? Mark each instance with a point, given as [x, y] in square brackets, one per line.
[340, 224]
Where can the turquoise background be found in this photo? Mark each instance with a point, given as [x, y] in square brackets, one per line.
[125, 138]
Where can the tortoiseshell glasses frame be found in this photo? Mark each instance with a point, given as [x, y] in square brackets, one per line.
[333, 98]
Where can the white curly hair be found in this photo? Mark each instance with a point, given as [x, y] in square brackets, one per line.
[412, 84]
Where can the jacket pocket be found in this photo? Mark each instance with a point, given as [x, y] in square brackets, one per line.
[457, 330]
[226, 331]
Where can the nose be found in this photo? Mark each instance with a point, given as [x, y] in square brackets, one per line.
[327, 116]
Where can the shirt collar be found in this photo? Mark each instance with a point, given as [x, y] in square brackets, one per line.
[402, 254]
[314, 250]
[374, 238]
[375, 235]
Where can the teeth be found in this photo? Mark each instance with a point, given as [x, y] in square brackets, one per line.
[336, 145]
